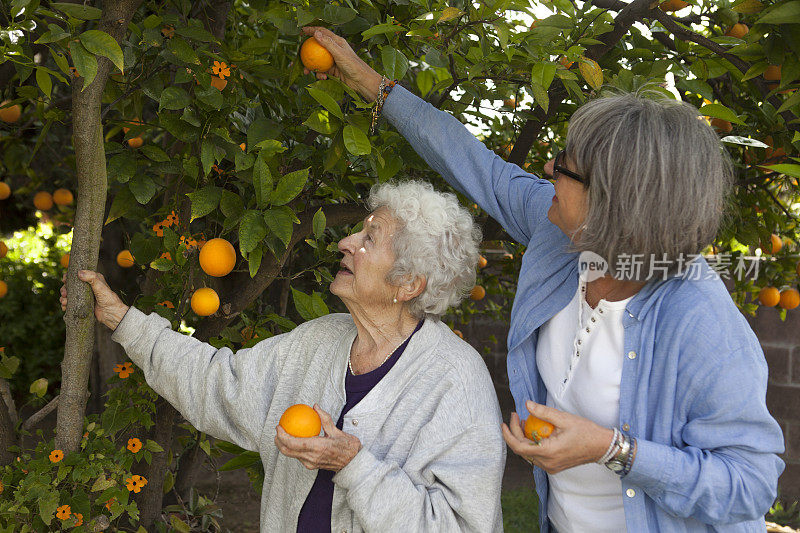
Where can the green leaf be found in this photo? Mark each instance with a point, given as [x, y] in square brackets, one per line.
[262, 181]
[102, 44]
[785, 168]
[143, 188]
[207, 154]
[43, 81]
[338, 14]
[260, 130]
[395, 64]
[318, 305]
[122, 167]
[326, 101]
[790, 102]
[123, 203]
[195, 32]
[449, 13]
[204, 201]
[39, 387]
[173, 98]
[231, 204]
[720, 111]
[786, 13]
[289, 186]
[382, 29]
[543, 74]
[254, 260]
[179, 525]
[183, 51]
[211, 97]
[48, 503]
[241, 461]
[153, 446]
[78, 11]
[252, 230]
[103, 483]
[309, 307]
[280, 222]
[318, 223]
[540, 96]
[269, 147]
[162, 264]
[320, 121]
[591, 72]
[8, 365]
[356, 141]
[154, 153]
[84, 62]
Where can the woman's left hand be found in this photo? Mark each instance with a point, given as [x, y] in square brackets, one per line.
[333, 451]
[574, 441]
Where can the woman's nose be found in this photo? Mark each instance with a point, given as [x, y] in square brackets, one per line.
[346, 244]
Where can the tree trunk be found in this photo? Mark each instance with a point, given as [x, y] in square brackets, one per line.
[8, 436]
[149, 500]
[90, 161]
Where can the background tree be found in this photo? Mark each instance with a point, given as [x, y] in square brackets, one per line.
[210, 130]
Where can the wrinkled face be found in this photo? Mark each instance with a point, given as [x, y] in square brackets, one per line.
[570, 203]
[367, 259]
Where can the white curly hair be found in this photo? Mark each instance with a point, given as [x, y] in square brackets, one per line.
[436, 238]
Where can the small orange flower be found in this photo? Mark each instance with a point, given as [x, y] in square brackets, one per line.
[167, 256]
[86, 435]
[158, 227]
[134, 445]
[168, 31]
[167, 304]
[63, 512]
[78, 519]
[56, 456]
[74, 72]
[110, 502]
[124, 370]
[2, 349]
[221, 69]
[135, 483]
[1, 487]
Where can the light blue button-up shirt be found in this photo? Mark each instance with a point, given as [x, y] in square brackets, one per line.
[694, 377]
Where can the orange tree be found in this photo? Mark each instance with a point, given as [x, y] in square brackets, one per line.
[179, 122]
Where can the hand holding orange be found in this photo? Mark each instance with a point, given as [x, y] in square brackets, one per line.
[300, 420]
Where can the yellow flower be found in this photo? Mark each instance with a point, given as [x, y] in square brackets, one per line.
[221, 69]
[56, 456]
[134, 445]
[63, 512]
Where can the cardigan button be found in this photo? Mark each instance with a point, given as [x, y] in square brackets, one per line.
[355, 422]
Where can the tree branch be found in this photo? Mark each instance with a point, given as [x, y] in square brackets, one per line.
[41, 413]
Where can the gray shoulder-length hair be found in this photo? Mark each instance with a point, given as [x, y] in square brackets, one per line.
[658, 181]
[436, 239]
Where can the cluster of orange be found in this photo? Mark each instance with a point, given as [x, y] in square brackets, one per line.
[770, 296]
[124, 370]
[168, 222]
[43, 200]
[134, 445]
[217, 258]
[135, 483]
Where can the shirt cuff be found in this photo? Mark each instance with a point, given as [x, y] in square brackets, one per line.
[130, 327]
[354, 472]
[651, 467]
[400, 105]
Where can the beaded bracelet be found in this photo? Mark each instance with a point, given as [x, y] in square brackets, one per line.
[383, 91]
[629, 462]
[612, 448]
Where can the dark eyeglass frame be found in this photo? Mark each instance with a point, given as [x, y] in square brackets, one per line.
[567, 172]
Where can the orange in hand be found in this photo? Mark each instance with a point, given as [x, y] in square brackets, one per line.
[300, 420]
[537, 429]
[315, 56]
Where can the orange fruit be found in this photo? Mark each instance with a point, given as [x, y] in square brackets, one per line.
[537, 429]
[168, 32]
[10, 114]
[774, 246]
[672, 5]
[769, 296]
[135, 142]
[301, 420]
[5, 190]
[205, 301]
[721, 125]
[243, 146]
[510, 102]
[217, 257]
[772, 73]
[43, 200]
[125, 259]
[62, 197]
[477, 293]
[458, 332]
[3, 249]
[218, 83]
[738, 30]
[315, 56]
[790, 298]
[3, 288]
[482, 262]
[65, 260]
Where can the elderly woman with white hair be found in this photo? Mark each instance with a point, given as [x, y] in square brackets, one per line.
[651, 376]
[411, 423]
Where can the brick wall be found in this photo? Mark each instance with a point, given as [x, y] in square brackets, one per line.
[781, 344]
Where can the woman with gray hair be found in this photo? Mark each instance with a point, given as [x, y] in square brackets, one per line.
[412, 441]
[622, 336]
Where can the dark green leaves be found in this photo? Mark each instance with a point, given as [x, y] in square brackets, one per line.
[173, 98]
[262, 181]
[204, 201]
[252, 231]
[356, 141]
[309, 307]
[289, 186]
[84, 62]
[102, 44]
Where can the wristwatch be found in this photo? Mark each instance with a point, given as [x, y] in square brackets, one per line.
[617, 463]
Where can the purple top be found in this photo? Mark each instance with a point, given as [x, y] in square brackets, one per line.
[315, 516]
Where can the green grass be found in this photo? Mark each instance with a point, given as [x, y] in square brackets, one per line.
[520, 510]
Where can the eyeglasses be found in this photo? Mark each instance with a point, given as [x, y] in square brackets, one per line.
[567, 172]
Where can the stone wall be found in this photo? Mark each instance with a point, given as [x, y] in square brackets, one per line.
[781, 344]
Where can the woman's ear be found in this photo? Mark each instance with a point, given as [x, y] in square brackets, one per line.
[411, 289]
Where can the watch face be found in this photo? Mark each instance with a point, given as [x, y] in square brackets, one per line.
[615, 466]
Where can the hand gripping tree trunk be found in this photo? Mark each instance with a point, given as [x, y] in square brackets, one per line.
[90, 161]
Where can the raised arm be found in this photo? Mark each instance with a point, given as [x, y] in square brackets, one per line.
[219, 392]
[516, 199]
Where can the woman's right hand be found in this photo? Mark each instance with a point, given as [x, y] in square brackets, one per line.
[348, 67]
[109, 308]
